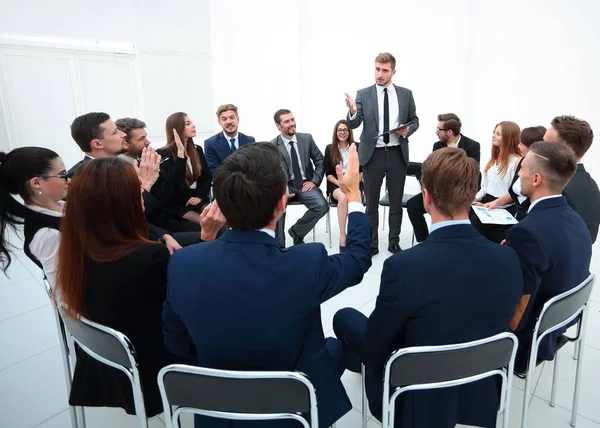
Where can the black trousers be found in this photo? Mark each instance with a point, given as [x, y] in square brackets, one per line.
[389, 163]
[416, 212]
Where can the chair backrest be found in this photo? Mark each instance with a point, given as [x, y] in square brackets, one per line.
[414, 170]
[101, 342]
[562, 309]
[430, 367]
[238, 394]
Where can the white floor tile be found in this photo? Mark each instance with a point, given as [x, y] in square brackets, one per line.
[17, 298]
[327, 313]
[101, 417]
[373, 423]
[16, 272]
[26, 335]
[357, 296]
[352, 419]
[31, 267]
[62, 420]
[592, 338]
[520, 383]
[541, 415]
[352, 384]
[33, 391]
[590, 379]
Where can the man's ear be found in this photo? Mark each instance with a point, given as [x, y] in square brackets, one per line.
[537, 179]
[426, 196]
[96, 144]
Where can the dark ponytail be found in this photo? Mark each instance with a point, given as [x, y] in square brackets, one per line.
[17, 167]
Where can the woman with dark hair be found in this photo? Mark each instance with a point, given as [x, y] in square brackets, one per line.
[500, 170]
[336, 153]
[39, 177]
[185, 169]
[514, 201]
[109, 272]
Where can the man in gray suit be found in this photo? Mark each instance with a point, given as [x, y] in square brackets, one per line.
[382, 108]
[299, 152]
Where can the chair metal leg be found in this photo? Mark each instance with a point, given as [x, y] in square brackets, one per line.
[384, 209]
[577, 349]
[314, 234]
[329, 228]
[554, 381]
[580, 353]
[530, 374]
[80, 417]
[364, 396]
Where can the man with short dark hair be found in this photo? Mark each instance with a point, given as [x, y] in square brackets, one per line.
[455, 287]
[581, 191]
[552, 242]
[221, 145]
[381, 109]
[243, 303]
[136, 138]
[298, 154]
[97, 136]
[448, 132]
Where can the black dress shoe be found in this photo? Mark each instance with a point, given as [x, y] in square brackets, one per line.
[394, 248]
[520, 374]
[297, 240]
[374, 251]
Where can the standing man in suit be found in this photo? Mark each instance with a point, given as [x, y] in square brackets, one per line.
[581, 191]
[381, 108]
[552, 242]
[448, 132]
[265, 313]
[299, 152]
[434, 294]
[221, 145]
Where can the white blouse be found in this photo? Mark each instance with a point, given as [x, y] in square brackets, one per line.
[493, 183]
[45, 242]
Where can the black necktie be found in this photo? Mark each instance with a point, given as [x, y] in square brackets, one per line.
[386, 116]
[232, 141]
[296, 167]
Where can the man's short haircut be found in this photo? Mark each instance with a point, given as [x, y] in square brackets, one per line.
[532, 135]
[128, 124]
[226, 107]
[248, 185]
[386, 58]
[451, 178]
[555, 161]
[451, 122]
[86, 128]
[279, 113]
[576, 133]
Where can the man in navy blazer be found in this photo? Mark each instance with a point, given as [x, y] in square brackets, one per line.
[553, 243]
[243, 303]
[455, 287]
[221, 145]
[581, 191]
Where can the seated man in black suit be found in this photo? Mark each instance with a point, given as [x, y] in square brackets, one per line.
[582, 191]
[552, 242]
[448, 131]
[455, 287]
[298, 154]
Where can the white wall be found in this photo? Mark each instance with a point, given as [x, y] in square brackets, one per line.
[173, 43]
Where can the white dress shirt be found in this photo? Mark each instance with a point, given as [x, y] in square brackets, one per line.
[394, 114]
[493, 183]
[440, 224]
[189, 164]
[236, 143]
[517, 189]
[344, 154]
[45, 243]
[288, 147]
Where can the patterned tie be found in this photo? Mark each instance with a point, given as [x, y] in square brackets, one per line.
[386, 116]
[296, 167]
[232, 141]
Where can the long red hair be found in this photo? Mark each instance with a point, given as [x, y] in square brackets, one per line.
[511, 137]
[177, 121]
[103, 221]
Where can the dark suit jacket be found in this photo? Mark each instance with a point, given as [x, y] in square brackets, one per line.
[584, 197]
[470, 294]
[249, 305]
[367, 113]
[472, 147]
[309, 154]
[217, 148]
[71, 171]
[127, 295]
[555, 250]
[173, 192]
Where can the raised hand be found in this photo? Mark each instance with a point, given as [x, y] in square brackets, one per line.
[351, 104]
[149, 168]
[349, 182]
[211, 221]
[178, 144]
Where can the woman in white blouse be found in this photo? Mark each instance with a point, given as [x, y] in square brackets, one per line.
[500, 170]
[39, 177]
